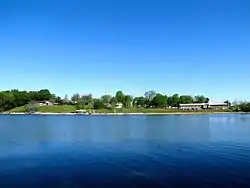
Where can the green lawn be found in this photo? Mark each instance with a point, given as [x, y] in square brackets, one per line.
[121, 110]
[57, 108]
[18, 109]
[72, 108]
[155, 110]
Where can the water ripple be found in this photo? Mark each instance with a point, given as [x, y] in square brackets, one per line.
[160, 151]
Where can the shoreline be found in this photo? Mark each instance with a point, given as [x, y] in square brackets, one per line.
[122, 114]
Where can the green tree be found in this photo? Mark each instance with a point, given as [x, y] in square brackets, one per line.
[3, 101]
[14, 98]
[53, 97]
[20, 98]
[58, 100]
[98, 104]
[174, 100]
[245, 107]
[185, 99]
[76, 97]
[106, 98]
[32, 107]
[44, 94]
[149, 95]
[33, 95]
[79, 105]
[113, 101]
[160, 100]
[139, 102]
[86, 99]
[127, 99]
[119, 96]
[207, 100]
[7, 100]
[200, 99]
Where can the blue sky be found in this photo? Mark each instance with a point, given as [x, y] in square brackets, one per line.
[171, 46]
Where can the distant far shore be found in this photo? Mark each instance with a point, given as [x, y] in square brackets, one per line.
[120, 114]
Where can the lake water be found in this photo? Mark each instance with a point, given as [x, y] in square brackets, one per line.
[125, 151]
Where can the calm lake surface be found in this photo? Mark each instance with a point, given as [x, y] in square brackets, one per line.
[125, 151]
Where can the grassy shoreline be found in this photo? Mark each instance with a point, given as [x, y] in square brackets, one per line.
[70, 110]
[121, 114]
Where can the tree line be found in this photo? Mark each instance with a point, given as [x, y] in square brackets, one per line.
[15, 98]
[245, 107]
[151, 99]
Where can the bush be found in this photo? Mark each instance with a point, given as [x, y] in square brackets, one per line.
[245, 107]
[32, 107]
[98, 105]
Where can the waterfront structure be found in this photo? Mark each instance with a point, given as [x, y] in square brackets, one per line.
[119, 105]
[202, 106]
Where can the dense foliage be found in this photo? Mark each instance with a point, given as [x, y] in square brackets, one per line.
[245, 107]
[151, 99]
[14, 98]
[158, 100]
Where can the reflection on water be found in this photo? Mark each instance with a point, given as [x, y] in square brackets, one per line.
[203, 128]
[104, 129]
[134, 151]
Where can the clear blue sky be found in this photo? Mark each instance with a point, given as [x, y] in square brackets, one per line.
[171, 46]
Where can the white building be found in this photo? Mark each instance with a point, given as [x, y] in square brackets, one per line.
[200, 106]
[193, 106]
[45, 103]
[119, 105]
[218, 105]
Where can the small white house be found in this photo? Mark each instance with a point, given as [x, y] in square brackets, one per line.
[45, 103]
[119, 105]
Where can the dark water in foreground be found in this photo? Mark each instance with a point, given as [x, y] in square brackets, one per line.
[125, 151]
